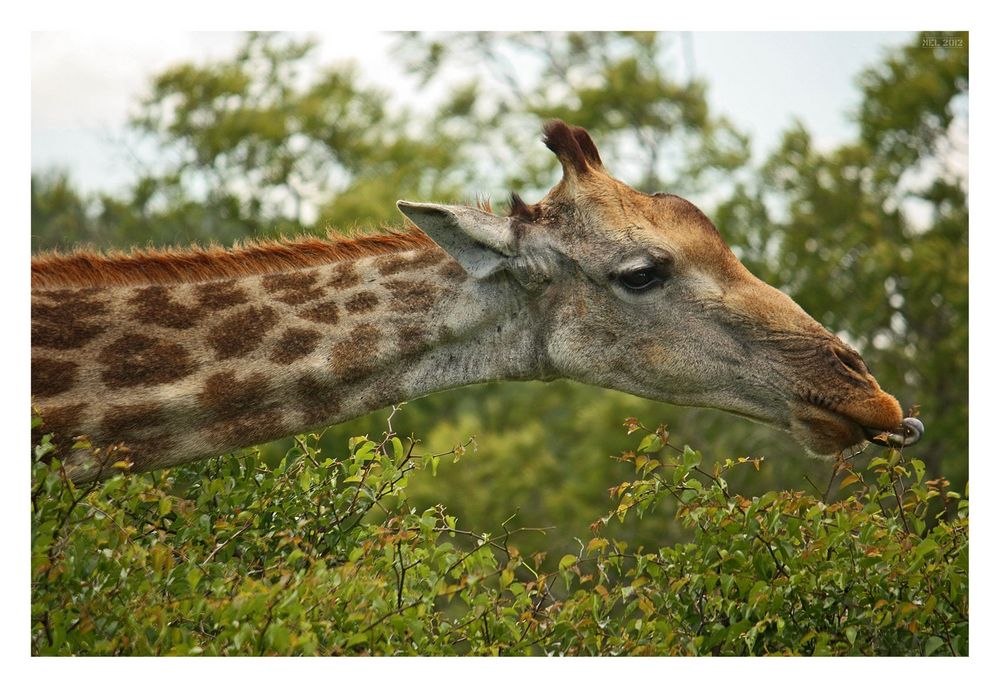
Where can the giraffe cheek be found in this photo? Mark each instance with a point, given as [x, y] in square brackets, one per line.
[653, 355]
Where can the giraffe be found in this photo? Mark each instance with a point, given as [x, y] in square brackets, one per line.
[164, 357]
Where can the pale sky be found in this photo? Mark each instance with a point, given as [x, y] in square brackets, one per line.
[84, 84]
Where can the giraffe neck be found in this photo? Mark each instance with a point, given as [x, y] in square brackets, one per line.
[181, 371]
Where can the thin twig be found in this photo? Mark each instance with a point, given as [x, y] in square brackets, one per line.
[228, 540]
[829, 486]
[819, 492]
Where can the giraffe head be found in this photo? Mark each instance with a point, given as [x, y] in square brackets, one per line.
[640, 293]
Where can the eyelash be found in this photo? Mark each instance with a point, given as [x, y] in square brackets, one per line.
[648, 277]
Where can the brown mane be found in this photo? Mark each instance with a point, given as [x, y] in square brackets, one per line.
[87, 268]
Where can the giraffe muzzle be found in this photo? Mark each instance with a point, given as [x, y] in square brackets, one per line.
[909, 433]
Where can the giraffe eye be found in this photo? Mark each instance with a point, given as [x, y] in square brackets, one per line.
[642, 279]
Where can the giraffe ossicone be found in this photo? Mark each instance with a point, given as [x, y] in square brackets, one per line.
[164, 357]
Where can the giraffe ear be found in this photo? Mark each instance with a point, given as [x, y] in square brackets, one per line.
[482, 243]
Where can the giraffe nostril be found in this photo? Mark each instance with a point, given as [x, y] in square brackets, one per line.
[851, 361]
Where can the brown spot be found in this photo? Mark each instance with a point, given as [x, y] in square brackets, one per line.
[217, 296]
[393, 263]
[318, 399]
[297, 298]
[288, 281]
[326, 312]
[50, 377]
[62, 422]
[293, 288]
[129, 421]
[382, 395]
[225, 396]
[61, 419]
[246, 431]
[344, 276]
[453, 271]
[239, 411]
[412, 340]
[64, 295]
[154, 306]
[356, 357]
[133, 432]
[427, 258]
[411, 295]
[133, 360]
[359, 303]
[295, 343]
[65, 322]
[240, 333]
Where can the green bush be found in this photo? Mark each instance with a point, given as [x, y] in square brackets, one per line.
[321, 555]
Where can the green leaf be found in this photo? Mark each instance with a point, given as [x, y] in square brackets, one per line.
[758, 592]
[567, 561]
[397, 449]
[924, 548]
[766, 499]
[932, 645]
[365, 451]
[691, 457]
[597, 543]
[651, 444]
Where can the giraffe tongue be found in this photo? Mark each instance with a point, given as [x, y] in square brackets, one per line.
[909, 433]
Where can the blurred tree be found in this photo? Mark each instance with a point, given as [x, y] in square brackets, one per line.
[621, 86]
[264, 143]
[256, 129]
[57, 210]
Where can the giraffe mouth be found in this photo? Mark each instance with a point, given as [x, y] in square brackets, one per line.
[828, 431]
[910, 432]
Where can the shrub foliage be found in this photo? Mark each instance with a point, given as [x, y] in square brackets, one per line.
[317, 554]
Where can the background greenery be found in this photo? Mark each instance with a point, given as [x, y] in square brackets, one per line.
[870, 237]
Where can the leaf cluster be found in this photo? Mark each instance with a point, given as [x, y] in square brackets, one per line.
[316, 554]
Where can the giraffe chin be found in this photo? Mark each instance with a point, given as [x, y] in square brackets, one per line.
[823, 432]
